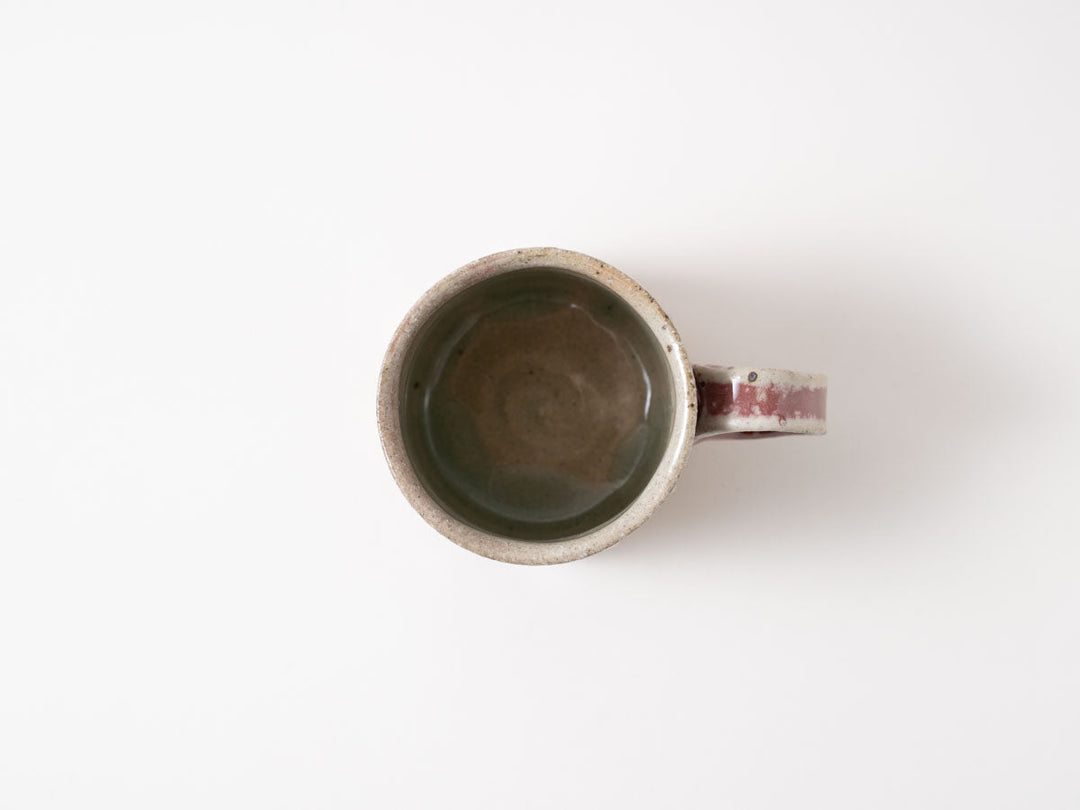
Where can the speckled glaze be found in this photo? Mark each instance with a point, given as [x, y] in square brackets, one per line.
[511, 418]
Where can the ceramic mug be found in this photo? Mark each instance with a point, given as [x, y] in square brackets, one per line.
[537, 405]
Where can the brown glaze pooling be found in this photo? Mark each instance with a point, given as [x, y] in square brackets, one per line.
[554, 389]
[537, 405]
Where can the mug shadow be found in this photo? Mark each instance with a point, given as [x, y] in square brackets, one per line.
[913, 394]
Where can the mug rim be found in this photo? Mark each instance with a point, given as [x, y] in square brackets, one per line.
[537, 552]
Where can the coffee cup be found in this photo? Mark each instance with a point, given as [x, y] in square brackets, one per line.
[537, 405]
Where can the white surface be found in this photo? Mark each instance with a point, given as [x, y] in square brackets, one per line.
[212, 216]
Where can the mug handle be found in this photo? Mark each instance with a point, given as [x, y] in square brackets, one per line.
[746, 402]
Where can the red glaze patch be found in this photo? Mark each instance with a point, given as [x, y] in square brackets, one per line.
[741, 398]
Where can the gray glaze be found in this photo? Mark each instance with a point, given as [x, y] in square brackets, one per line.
[537, 404]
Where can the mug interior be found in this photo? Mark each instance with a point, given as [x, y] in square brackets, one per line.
[536, 404]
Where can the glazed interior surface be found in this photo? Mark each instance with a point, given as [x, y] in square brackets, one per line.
[537, 404]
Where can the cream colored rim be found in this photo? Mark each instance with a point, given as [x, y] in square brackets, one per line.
[522, 551]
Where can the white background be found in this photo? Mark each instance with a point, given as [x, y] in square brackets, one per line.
[212, 217]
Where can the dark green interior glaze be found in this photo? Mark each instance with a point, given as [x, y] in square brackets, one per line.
[537, 405]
